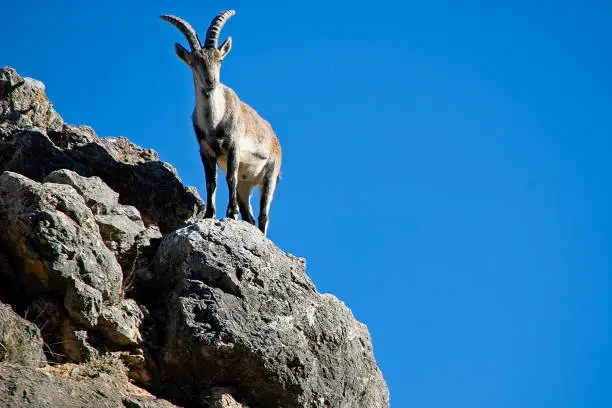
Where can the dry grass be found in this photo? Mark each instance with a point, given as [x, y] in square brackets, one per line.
[107, 363]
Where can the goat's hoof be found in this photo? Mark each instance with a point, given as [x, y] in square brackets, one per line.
[209, 214]
[233, 215]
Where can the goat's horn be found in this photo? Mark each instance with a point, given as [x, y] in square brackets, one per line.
[212, 35]
[186, 29]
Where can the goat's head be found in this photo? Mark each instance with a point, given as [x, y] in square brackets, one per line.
[204, 60]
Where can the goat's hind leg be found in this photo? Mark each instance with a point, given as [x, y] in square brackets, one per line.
[267, 193]
[244, 202]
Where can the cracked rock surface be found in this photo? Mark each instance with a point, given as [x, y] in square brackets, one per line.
[245, 310]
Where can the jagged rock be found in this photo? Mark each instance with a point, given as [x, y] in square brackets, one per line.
[119, 232]
[23, 101]
[73, 136]
[121, 323]
[83, 303]
[151, 186]
[243, 312]
[75, 345]
[49, 227]
[35, 143]
[99, 197]
[20, 340]
[30, 152]
[63, 386]
[124, 151]
[221, 397]
[120, 226]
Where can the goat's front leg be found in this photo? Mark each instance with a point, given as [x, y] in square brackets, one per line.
[210, 172]
[232, 181]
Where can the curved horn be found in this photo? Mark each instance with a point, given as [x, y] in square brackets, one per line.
[212, 35]
[186, 29]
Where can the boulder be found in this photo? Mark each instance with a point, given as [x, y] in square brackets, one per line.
[242, 312]
[121, 323]
[24, 102]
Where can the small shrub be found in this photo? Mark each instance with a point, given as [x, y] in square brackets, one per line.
[107, 363]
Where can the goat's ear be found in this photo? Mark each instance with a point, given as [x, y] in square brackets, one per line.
[225, 47]
[182, 53]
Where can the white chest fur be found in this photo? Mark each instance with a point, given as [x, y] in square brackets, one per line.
[210, 109]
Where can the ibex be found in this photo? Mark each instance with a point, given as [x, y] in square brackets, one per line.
[231, 134]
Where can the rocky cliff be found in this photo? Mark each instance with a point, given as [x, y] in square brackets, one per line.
[115, 292]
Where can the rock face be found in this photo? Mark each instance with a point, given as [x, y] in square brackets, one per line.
[54, 235]
[243, 309]
[104, 249]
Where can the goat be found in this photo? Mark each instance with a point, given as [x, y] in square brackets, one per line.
[230, 133]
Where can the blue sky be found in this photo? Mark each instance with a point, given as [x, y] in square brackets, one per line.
[446, 167]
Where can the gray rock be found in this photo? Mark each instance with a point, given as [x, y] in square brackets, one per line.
[143, 252]
[75, 343]
[151, 186]
[54, 234]
[124, 151]
[241, 311]
[121, 226]
[35, 143]
[83, 303]
[121, 323]
[119, 232]
[24, 102]
[52, 231]
[9, 80]
[99, 197]
[73, 136]
[61, 242]
[30, 152]
[20, 340]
